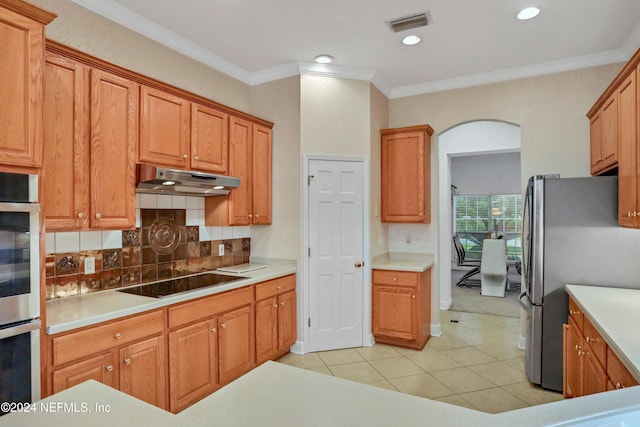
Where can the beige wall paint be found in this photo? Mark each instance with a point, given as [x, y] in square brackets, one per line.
[334, 116]
[279, 102]
[379, 116]
[549, 109]
[88, 32]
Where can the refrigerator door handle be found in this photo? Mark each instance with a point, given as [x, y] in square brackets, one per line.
[525, 305]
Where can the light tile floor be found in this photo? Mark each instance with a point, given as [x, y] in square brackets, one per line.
[475, 363]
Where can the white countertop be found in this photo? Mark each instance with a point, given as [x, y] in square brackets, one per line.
[84, 310]
[615, 313]
[403, 261]
[274, 394]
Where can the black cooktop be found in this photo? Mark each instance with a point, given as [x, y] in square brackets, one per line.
[181, 284]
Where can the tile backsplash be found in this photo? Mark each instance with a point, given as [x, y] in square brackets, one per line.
[128, 257]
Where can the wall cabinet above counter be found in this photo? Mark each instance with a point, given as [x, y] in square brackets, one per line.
[96, 133]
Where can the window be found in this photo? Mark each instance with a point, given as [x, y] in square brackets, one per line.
[477, 216]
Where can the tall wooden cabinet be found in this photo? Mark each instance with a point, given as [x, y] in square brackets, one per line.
[406, 154]
[250, 159]
[91, 122]
[21, 82]
[401, 307]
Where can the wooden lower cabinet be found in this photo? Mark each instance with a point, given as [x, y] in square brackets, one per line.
[193, 363]
[235, 344]
[590, 366]
[100, 368]
[402, 307]
[142, 371]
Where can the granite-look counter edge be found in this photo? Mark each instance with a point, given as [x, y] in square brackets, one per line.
[89, 309]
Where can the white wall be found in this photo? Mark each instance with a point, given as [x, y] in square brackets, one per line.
[486, 173]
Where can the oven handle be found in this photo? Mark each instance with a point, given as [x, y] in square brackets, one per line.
[19, 329]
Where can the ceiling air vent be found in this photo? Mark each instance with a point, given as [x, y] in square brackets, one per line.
[409, 22]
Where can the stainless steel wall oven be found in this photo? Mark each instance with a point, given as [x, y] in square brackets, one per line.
[19, 288]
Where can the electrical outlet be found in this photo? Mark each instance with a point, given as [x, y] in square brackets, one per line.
[221, 249]
[89, 265]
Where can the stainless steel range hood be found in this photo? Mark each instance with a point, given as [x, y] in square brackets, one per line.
[158, 180]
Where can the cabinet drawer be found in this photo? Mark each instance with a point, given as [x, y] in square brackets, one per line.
[576, 313]
[395, 278]
[275, 287]
[100, 338]
[595, 341]
[208, 306]
[618, 373]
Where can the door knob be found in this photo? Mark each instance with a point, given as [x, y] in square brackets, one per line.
[359, 264]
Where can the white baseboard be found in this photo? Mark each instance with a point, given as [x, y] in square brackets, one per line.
[436, 330]
[297, 348]
[446, 304]
[369, 341]
[523, 343]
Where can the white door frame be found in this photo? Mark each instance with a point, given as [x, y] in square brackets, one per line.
[302, 347]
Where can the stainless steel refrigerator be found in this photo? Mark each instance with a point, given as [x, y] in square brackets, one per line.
[570, 234]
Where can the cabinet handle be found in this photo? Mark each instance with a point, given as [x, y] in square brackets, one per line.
[420, 213]
[618, 386]
[80, 215]
[118, 335]
[127, 361]
[109, 368]
[184, 156]
[275, 305]
[282, 303]
[581, 353]
[578, 347]
[214, 330]
[395, 279]
[574, 312]
[249, 216]
[278, 287]
[413, 297]
[196, 158]
[257, 215]
[98, 215]
[223, 326]
[589, 339]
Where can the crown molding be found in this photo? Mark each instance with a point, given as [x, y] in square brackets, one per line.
[576, 63]
[135, 22]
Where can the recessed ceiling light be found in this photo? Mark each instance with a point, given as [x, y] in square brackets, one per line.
[323, 59]
[528, 13]
[411, 40]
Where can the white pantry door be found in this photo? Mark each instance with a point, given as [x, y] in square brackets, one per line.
[335, 254]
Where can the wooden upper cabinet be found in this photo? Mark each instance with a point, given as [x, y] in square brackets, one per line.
[240, 151]
[164, 128]
[610, 132]
[114, 138]
[21, 83]
[628, 208]
[261, 176]
[209, 139]
[595, 132]
[406, 174]
[65, 196]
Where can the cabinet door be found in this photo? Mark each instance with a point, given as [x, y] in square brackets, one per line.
[142, 371]
[240, 135]
[573, 360]
[595, 377]
[595, 131]
[21, 87]
[395, 312]
[266, 329]
[235, 343]
[114, 137]
[164, 128]
[610, 131]
[193, 363]
[404, 177]
[286, 321]
[261, 175]
[65, 198]
[209, 139]
[100, 368]
[628, 158]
